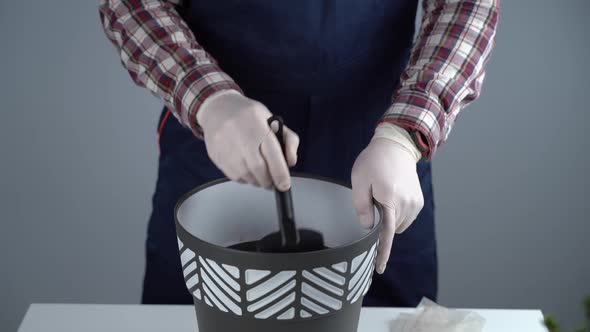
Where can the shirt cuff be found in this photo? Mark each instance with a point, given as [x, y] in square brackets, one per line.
[195, 88]
[398, 135]
[421, 116]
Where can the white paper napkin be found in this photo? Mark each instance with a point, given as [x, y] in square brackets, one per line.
[431, 317]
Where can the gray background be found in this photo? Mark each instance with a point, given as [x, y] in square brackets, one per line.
[78, 166]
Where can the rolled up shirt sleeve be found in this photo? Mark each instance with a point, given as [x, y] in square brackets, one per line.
[161, 54]
[446, 68]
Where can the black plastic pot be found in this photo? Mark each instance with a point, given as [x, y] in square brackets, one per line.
[236, 290]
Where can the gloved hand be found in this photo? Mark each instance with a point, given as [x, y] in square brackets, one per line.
[386, 171]
[241, 144]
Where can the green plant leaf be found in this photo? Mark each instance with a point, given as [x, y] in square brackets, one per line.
[587, 305]
[551, 324]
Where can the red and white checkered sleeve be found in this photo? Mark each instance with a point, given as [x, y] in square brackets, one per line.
[446, 68]
[161, 53]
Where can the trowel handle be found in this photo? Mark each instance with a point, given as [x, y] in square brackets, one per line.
[289, 233]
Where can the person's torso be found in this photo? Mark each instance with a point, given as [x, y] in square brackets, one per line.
[311, 46]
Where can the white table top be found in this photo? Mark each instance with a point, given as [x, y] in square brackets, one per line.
[148, 318]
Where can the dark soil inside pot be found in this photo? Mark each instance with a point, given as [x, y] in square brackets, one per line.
[253, 246]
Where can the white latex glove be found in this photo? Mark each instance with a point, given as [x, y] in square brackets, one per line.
[241, 144]
[386, 171]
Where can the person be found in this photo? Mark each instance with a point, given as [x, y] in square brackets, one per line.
[363, 104]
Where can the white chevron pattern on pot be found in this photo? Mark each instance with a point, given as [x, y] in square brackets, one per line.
[197, 294]
[271, 294]
[190, 278]
[304, 314]
[220, 287]
[189, 265]
[277, 295]
[370, 278]
[186, 256]
[323, 289]
[362, 271]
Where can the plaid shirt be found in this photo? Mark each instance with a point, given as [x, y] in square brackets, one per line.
[444, 74]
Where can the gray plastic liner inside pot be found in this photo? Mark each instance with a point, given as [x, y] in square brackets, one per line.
[247, 291]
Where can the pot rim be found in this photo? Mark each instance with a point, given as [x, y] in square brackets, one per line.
[183, 198]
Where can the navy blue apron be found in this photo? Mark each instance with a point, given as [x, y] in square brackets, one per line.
[328, 67]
